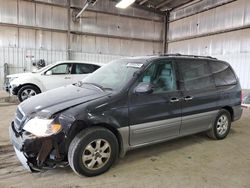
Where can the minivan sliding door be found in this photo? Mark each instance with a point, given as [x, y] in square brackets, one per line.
[199, 106]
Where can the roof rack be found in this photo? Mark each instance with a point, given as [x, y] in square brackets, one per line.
[184, 55]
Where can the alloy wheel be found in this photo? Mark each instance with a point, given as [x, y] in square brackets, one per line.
[27, 93]
[96, 154]
[222, 125]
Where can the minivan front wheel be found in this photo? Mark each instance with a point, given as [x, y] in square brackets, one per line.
[221, 126]
[93, 151]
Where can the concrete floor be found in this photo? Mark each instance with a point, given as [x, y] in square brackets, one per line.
[193, 161]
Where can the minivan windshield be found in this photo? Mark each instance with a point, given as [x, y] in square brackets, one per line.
[114, 75]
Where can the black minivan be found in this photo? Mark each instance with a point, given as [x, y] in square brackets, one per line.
[126, 104]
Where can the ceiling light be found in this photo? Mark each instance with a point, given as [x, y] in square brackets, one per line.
[124, 3]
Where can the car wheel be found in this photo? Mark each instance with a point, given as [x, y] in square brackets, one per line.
[93, 151]
[221, 126]
[26, 92]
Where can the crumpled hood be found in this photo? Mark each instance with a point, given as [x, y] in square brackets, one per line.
[53, 101]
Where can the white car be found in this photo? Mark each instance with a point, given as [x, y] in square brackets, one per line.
[26, 85]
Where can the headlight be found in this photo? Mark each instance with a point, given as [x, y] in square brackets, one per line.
[42, 127]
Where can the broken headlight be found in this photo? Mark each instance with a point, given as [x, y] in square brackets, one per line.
[42, 127]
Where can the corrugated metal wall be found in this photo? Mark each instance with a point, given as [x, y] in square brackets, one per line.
[32, 30]
[223, 32]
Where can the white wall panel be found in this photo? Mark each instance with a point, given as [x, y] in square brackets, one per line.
[27, 38]
[148, 48]
[76, 42]
[158, 31]
[126, 48]
[247, 13]
[157, 48]
[59, 41]
[8, 37]
[27, 15]
[59, 18]
[8, 11]
[123, 26]
[43, 40]
[229, 16]
[106, 24]
[102, 45]
[115, 46]
[43, 15]
[88, 44]
[196, 7]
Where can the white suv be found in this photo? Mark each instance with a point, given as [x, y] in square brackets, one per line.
[26, 85]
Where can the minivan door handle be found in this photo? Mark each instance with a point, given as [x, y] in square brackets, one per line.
[188, 98]
[174, 99]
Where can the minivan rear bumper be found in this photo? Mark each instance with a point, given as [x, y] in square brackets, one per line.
[237, 112]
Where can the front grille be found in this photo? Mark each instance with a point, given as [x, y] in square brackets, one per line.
[19, 119]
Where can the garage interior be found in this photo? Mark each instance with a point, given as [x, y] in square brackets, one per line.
[53, 30]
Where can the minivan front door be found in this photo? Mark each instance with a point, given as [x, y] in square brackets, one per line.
[155, 116]
[199, 106]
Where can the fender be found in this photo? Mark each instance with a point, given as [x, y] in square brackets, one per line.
[114, 120]
[87, 120]
[27, 79]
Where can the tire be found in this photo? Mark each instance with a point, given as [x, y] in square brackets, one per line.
[85, 145]
[221, 126]
[27, 91]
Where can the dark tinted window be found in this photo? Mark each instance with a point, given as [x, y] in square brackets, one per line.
[223, 74]
[161, 75]
[83, 68]
[96, 67]
[195, 75]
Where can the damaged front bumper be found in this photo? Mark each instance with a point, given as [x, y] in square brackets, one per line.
[35, 153]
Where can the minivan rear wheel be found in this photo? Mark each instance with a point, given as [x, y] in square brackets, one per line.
[221, 126]
[93, 151]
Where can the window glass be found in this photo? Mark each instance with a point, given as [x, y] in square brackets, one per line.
[96, 67]
[195, 75]
[114, 75]
[223, 74]
[161, 75]
[83, 69]
[61, 69]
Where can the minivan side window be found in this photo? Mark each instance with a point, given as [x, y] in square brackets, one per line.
[161, 75]
[223, 74]
[195, 75]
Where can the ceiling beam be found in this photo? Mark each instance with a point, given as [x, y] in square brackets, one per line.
[187, 4]
[142, 2]
[163, 3]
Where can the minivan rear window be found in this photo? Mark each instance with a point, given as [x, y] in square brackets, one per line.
[223, 74]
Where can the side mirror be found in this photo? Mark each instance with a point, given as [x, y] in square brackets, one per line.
[144, 88]
[48, 73]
